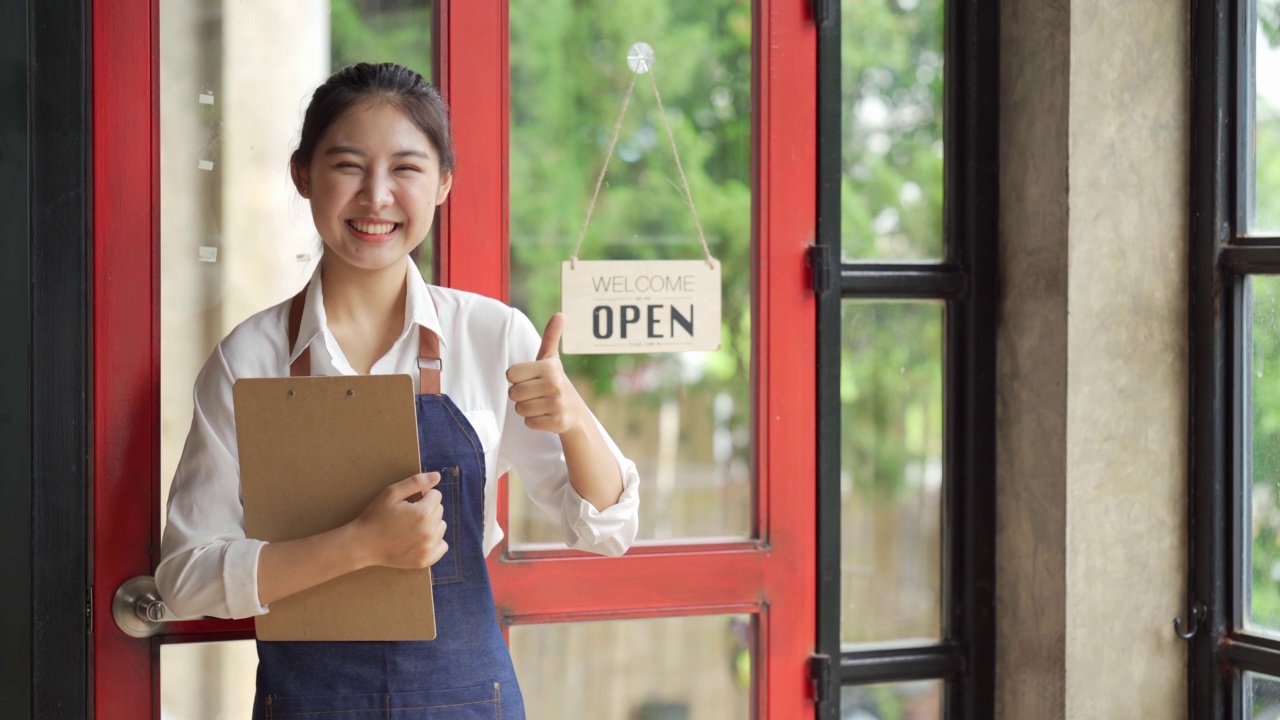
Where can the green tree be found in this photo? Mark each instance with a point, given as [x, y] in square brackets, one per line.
[568, 79]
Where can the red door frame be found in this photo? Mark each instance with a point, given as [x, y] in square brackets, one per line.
[772, 577]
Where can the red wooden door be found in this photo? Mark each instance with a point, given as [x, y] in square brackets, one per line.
[767, 575]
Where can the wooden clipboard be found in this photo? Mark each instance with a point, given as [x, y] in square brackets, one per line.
[314, 451]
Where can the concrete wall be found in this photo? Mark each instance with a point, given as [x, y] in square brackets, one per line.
[1092, 412]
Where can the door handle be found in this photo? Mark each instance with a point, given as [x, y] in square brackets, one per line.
[138, 608]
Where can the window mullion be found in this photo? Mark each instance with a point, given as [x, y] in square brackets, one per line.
[942, 662]
[943, 281]
[1213, 695]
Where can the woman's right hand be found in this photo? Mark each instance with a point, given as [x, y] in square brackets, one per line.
[404, 525]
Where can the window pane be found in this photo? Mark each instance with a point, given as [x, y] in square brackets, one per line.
[685, 417]
[891, 471]
[891, 88]
[207, 681]
[1263, 143]
[903, 701]
[235, 237]
[1262, 594]
[678, 668]
[1261, 697]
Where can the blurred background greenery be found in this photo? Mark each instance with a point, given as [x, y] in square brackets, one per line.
[1262, 598]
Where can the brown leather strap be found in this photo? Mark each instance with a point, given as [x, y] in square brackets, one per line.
[301, 366]
[428, 362]
[428, 350]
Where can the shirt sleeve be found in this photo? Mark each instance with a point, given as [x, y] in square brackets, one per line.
[208, 567]
[538, 460]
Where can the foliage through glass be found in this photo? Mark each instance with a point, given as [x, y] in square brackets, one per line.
[1263, 192]
[891, 477]
[685, 417]
[1262, 594]
[899, 701]
[892, 82]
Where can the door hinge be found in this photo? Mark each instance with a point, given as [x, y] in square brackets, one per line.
[88, 610]
[823, 11]
[820, 261]
[820, 677]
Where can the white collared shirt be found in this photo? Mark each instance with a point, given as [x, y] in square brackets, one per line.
[209, 567]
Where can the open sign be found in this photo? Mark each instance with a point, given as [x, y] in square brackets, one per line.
[624, 306]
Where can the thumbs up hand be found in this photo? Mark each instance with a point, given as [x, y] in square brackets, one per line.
[543, 395]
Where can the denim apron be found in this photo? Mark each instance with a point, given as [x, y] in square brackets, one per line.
[466, 672]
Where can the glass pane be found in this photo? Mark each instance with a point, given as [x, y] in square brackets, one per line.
[891, 472]
[891, 90]
[903, 701]
[1264, 142]
[207, 681]
[684, 418]
[1262, 593]
[679, 668]
[235, 237]
[1261, 697]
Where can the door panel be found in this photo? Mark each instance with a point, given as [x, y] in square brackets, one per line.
[684, 418]
[667, 667]
[190, 158]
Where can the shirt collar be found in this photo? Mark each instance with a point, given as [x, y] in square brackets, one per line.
[420, 309]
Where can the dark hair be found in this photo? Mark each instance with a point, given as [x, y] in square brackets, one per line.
[396, 84]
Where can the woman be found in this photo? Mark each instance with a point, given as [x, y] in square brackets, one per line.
[374, 160]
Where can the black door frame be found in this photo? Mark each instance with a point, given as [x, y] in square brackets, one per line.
[45, 139]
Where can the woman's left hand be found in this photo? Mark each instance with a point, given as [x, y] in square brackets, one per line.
[543, 395]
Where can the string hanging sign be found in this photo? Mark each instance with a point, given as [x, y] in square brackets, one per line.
[620, 306]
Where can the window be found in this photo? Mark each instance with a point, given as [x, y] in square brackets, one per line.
[1233, 606]
[906, 364]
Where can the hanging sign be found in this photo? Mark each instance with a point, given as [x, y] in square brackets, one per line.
[631, 306]
[626, 306]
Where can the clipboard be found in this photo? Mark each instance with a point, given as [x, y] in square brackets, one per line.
[314, 451]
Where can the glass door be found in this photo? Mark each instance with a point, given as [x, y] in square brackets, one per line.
[197, 105]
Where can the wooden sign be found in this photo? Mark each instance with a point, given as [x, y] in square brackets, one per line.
[640, 306]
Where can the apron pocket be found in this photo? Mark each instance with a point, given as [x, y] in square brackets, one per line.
[449, 568]
[475, 702]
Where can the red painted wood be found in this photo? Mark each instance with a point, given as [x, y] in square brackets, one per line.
[473, 78]
[125, 372]
[642, 582]
[786, 222]
[208, 627]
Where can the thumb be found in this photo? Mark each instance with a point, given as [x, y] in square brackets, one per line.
[551, 337]
[413, 487]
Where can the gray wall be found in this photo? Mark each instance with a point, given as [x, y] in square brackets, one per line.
[1092, 385]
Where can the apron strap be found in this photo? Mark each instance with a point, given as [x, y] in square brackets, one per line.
[301, 366]
[429, 364]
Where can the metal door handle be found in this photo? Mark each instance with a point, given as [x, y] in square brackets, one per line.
[138, 609]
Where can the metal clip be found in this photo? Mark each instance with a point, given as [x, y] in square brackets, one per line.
[1198, 611]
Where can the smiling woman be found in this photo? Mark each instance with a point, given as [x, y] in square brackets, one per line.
[375, 159]
[373, 201]
[374, 162]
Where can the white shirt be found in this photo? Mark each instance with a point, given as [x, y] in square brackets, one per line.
[209, 567]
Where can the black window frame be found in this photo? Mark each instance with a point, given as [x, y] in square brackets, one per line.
[1222, 257]
[966, 281]
[46, 644]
